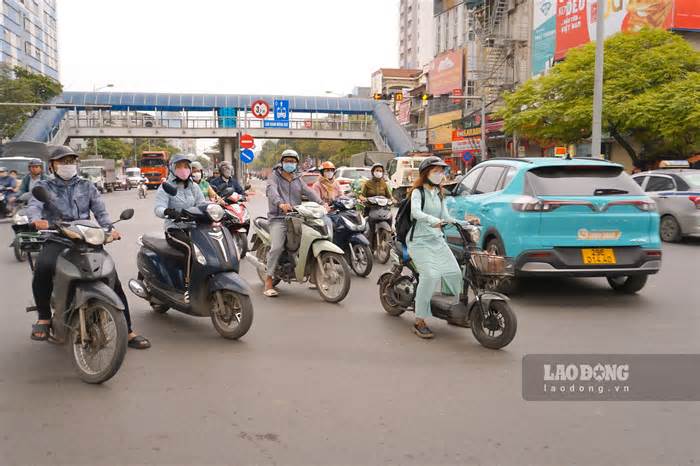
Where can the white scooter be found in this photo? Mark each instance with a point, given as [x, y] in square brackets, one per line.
[308, 253]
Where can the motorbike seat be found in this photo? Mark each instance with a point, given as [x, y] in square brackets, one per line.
[263, 223]
[160, 245]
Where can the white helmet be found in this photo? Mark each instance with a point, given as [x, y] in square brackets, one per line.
[289, 153]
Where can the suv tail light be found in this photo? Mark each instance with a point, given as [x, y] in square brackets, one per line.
[533, 204]
[645, 205]
[695, 200]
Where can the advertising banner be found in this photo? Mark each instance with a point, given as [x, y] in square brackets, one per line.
[544, 33]
[446, 72]
[404, 117]
[576, 19]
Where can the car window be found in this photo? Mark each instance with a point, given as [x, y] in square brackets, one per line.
[639, 180]
[354, 173]
[507, 178]
[660, 183]
[470, 180]
[489, 180]
[681, 184]
[693, 179]
[580, 180]
[392, 167]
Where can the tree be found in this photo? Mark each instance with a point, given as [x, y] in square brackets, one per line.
[108, 148]
[651, 95]
[20, 85]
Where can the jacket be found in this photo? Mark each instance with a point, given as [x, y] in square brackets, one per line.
[280, 191]
[320, 190]
[188, 195]
[74, 199]
[373, 188]
[24, 187]
[218, 182]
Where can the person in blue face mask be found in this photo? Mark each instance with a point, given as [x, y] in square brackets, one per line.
[284, 190]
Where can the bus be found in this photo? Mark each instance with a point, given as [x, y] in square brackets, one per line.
[154, 167]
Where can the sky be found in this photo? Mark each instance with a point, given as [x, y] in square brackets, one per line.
[295, 47]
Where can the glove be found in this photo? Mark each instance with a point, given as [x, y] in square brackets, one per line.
[172, 214]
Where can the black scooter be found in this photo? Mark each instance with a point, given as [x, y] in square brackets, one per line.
[87, 313]
[349, 230]
[201, 277]
[380, 226]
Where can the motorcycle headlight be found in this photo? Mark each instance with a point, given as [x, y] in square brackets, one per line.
[215, 212]
[92, 235]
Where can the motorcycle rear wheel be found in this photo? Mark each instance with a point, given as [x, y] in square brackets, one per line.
[390, 306]
[106, 327]
[501, 319]
[261, 255]
[20, 255]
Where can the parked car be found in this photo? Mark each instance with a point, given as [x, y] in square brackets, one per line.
[346, 176]
[677, 195]
[310, 178]
[580, 217]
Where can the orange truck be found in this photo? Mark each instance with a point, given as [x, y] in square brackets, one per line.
[154, 167]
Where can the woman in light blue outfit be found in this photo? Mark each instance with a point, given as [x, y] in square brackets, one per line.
[427, 246]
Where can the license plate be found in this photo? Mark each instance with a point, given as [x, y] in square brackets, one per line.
[598, 256]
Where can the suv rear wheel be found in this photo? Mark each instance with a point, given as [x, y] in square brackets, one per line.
[628, 285]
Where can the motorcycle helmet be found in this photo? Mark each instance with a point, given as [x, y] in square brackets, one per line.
[197, 166]
[327, 165]
[429, 162]
[179, 158]
[59, 152]
[35, 163]
[289, 153]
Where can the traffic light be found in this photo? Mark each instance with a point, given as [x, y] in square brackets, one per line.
[426, 97]
[398, 96]
[378, 96]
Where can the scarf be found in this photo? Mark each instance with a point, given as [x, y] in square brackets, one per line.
[329, 188]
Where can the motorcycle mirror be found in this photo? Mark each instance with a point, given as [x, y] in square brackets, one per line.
[41, 194]
[226, 192]
[169, 188]
[127, 214]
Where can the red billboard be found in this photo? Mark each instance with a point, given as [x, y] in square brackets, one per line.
[576, 19]
[446, 72]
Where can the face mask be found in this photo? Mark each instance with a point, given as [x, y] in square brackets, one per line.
[226, 173]
[328, 175]
[378, 175]
[66, 172]
[197, 176]
[289, 167]
[182, 173]
[436, 177]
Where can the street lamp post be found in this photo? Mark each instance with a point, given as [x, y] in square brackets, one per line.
[596, 135]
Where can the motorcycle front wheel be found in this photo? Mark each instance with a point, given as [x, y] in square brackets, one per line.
[231, 313]
[99, 354]
[332, 274]
[496, 329]
[362, 265]
[20, 255]
[386, 296]
[241, 243]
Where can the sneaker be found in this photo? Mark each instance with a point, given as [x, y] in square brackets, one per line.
[423, 331]
[313, 286]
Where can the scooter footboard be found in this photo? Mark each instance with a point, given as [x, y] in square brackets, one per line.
[86, 291]
[229, 281]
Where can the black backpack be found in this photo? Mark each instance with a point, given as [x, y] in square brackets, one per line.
[404, 223]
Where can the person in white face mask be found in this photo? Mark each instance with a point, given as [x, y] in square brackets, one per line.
[207, 190]
[427, 245]
[327, 187]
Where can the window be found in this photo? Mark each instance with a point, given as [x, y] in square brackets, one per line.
[580, 180]
[639, 180]
[392, 167]
[507, 178]
[489, 180]
[27, 24]
[470, 180]
[28, 48]
[660, 183]
[471, 87]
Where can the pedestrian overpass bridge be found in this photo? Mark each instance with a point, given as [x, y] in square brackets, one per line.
[222, 116]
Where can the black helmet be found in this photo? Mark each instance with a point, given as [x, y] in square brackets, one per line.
[432, 161]
[35, 163]
[376, 165]
[58, 152]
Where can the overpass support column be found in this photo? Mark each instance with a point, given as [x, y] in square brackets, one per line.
[230, 153]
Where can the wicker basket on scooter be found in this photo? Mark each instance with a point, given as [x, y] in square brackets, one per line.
[491, 264]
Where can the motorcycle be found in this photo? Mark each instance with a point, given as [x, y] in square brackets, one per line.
[309, 252]
[492, 321]
[142, 190]
[237, 222]
[349, 229]
[26, 241]
[201, 279]
[87, 313]
[380, 226]
[5, 203]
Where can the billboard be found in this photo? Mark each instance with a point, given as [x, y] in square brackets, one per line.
[576, 19]
[445, 73]
[544, 32]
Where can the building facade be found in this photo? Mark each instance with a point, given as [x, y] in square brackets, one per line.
[415, 33]
[29, 36]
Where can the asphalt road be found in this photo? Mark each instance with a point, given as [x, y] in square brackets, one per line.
[323, 384]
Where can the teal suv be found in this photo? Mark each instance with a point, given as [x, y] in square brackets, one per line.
[567, 217]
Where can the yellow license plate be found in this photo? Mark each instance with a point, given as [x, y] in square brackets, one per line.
[598, 256]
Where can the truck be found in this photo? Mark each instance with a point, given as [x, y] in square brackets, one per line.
[101, 172]
[154, 167]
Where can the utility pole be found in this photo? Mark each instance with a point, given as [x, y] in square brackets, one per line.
[598, 82]
[482, 145]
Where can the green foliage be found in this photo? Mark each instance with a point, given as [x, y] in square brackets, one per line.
[20, 85]
[651, 94]
[109, 148]
[336, 151]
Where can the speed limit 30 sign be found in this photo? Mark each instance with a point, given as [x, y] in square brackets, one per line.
[260, 109]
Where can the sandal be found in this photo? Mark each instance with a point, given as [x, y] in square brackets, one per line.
[271, 293]
[38, 329]
[139, 342]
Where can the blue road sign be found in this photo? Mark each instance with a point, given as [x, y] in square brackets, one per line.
[275, 124]
[247, 155]
[467, 156]
[281, 110]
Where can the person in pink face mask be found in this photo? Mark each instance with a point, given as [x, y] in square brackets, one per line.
[188, 193]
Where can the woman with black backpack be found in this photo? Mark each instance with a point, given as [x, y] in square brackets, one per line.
[426, 242]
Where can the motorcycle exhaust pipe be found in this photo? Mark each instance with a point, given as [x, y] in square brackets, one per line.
[138, 288]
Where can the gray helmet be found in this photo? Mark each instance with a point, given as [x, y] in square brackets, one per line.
[197, 166]
[224, 164]
[58, 152]
[376, 165]
[289, 153]
[179, 158]
[35, 163]
[3, 169]
[432, 161]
